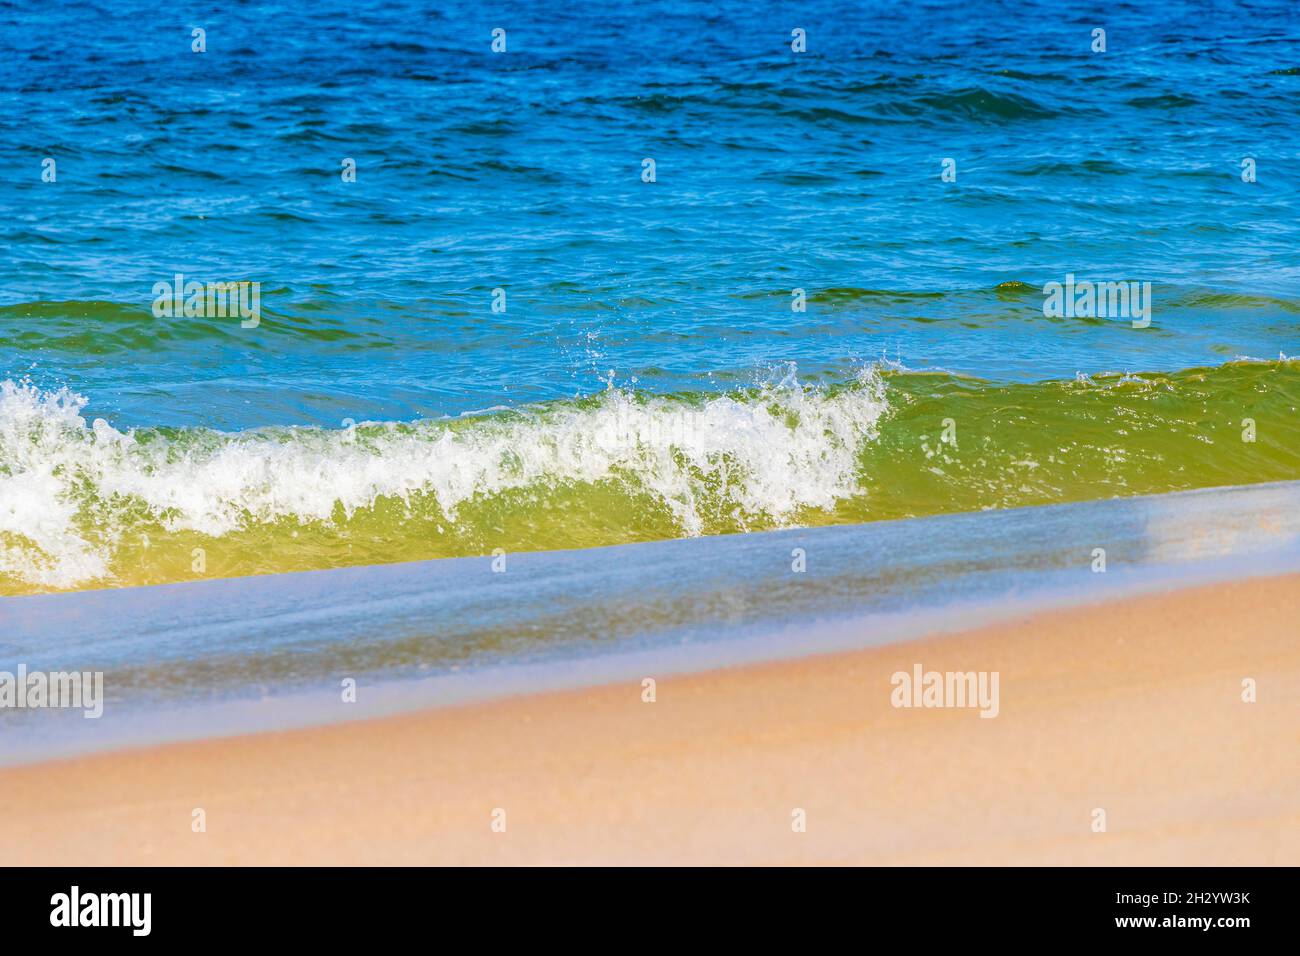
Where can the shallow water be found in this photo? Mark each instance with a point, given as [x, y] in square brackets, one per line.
[648, 377]
[223, 656]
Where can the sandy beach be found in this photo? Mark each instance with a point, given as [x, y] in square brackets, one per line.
[1134, 707]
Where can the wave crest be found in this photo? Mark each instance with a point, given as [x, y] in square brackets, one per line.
[73, 492]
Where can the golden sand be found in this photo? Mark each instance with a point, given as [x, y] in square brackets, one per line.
[1133, 707]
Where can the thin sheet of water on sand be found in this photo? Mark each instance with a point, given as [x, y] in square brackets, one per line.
[242, 654]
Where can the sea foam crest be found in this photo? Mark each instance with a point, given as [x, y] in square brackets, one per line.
[66, 487]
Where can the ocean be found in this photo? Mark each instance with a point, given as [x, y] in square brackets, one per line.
[647, 273]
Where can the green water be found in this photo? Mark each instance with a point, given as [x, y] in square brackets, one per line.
[101, 507]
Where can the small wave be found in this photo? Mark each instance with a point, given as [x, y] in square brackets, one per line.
[1233, 300]
[72, 492]
[85, 504]
[985, 105]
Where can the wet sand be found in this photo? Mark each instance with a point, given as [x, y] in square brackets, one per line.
[1132, 707]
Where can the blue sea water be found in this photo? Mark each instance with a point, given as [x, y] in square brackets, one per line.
[663, 310]
[522, 171]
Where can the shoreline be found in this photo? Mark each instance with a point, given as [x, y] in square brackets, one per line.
[1210, 493]
[1132, 705]
[242, 655]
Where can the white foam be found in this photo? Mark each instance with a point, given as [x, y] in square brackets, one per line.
[760, 455]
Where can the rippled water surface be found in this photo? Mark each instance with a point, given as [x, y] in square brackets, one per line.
[648, 377]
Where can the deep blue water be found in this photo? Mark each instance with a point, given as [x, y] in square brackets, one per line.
[522, 170]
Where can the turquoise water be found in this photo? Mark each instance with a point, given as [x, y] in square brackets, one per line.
[367, 417]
